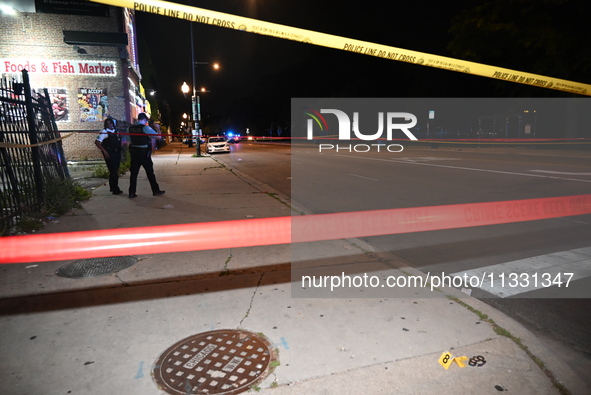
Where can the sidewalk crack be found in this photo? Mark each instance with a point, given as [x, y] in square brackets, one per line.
[251, 300]
[226, 271]
[123, 282]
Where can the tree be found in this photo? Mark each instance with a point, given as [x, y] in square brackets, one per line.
[547, 37]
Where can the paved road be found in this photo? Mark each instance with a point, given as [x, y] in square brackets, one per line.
[349, 181]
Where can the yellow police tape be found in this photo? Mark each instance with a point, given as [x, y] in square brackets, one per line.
[220, 19]
[13, 145]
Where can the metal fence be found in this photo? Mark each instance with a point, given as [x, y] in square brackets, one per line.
[31, 153]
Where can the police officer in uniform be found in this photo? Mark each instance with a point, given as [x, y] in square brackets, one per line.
[110, 144]
[141, 154]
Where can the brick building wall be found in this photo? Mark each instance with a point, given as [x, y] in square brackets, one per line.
[36, 41]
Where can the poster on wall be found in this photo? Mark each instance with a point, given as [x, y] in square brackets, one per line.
[93, 104]
[59, 104]
[58, 99]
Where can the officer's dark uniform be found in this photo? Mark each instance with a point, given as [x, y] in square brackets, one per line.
[140, 151]
[112, 144]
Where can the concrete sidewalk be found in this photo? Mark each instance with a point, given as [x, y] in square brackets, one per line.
[102, 335]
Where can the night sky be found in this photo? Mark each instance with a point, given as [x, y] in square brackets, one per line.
[260, 74]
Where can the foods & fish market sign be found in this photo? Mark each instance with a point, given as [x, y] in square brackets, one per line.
[64, 67]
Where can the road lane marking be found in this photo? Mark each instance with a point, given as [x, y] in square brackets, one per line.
[576, 221]
[468, 168]
[366, 178]
[562, 172]
[577, 261]
[423, 159]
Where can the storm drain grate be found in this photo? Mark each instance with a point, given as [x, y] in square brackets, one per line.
[95, 267]
[215, 362]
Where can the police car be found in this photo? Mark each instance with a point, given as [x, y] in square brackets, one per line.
[232, 137]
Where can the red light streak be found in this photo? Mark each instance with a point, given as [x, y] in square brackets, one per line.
[282, 230]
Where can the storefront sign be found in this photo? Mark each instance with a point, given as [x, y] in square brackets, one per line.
[64, 67]
[72, 7]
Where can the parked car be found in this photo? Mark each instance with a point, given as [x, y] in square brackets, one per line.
[217, 144]
[186, 140]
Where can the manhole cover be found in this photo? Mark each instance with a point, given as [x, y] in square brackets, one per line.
[95, 267]
[216, 362]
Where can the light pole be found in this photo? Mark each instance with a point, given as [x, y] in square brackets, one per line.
[202, 90]
[195, 102]
[196, 114]
[194, 98]
[195, 105]
[185, 90]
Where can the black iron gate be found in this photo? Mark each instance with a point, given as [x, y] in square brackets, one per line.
[31, 153]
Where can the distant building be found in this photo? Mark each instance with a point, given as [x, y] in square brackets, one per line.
[516, 125]
[85, 54]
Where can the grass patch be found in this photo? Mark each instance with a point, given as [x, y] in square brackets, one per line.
[59, 197]
[505, 333]
[28, 226]
[101, 171]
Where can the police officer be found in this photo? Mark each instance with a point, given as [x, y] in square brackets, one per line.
[141, 154]
[110, 144]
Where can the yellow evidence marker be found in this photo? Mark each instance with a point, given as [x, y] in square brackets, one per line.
[446, 359]
[460, 361]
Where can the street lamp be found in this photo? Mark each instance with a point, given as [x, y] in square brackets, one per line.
[195, 99]
[215, 66]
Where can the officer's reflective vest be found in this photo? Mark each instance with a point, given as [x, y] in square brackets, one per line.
[112, 142]
[137, 135]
